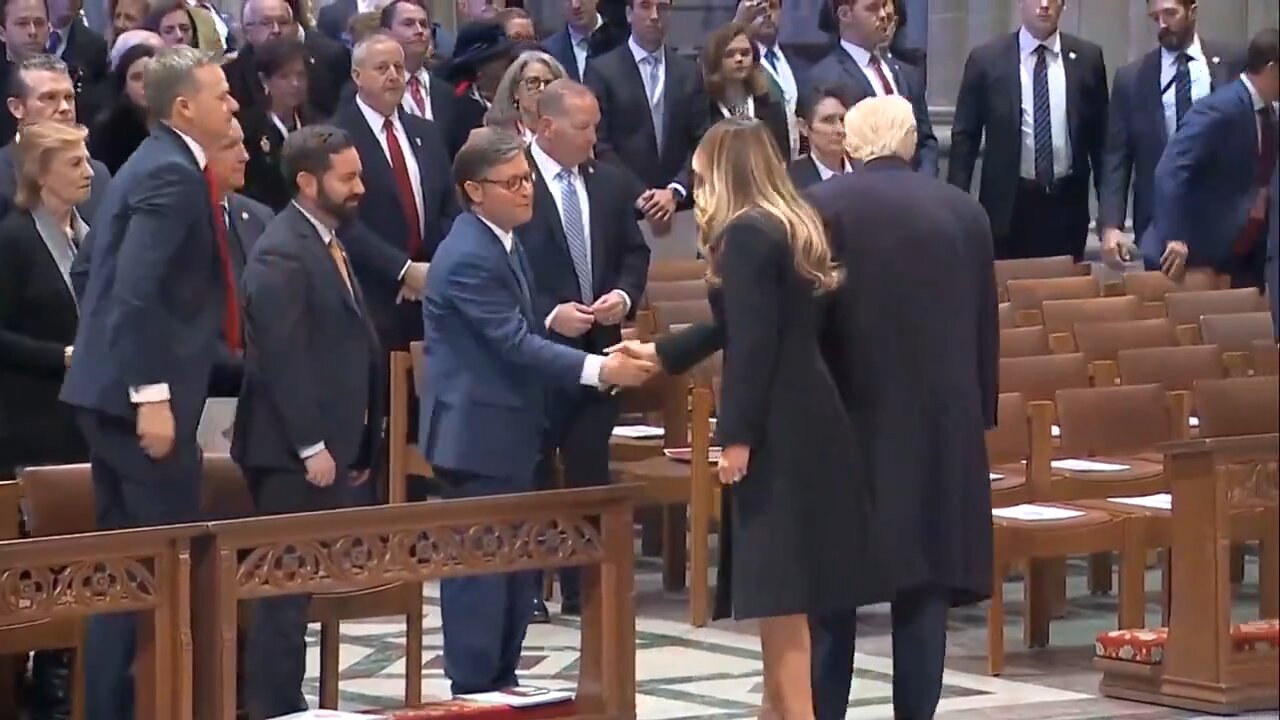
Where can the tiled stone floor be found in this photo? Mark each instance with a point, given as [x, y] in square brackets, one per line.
[714, 673]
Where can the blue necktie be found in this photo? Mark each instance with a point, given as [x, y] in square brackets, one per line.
[1182, 87]
[771, 57]
[575, 234]
[1043, 119]
[55, 41]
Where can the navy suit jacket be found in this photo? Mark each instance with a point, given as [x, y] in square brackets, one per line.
[840, 69]
[376, 243]
[1136, 132]
[153, 306]
[1206, 181]
[619, 254]
[605, 38]
[488, 364]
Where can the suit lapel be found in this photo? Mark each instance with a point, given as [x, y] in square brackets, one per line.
[320, 253]
[1148, 93]
[1073, 80]
[543, 197]
[595, 199]
[367, 144]
[669, 82]
[1219, 72]
[632, 74]
[850, 67]
[1012, 69]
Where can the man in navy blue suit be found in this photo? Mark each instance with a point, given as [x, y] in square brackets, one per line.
[1212, 184]
[858, 64]
[158, 311]
[488, 369]
[1149, 100]
[585, 35]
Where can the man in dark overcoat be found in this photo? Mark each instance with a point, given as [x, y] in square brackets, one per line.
[913, 341]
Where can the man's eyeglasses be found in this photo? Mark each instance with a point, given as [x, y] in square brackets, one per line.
[512, 184]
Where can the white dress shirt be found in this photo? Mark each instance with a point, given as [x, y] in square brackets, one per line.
[326, 234]
[1258, 106]
[407, 102]
[159, 392]
[786, 79]
[593, 363]
[1057, 104]
[1201, 80]
[581, 44]
[862, 56]
[825, 172]
[284, 129]
[375, 120]
[656, 96]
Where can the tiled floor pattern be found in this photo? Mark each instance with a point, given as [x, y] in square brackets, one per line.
[714, 673]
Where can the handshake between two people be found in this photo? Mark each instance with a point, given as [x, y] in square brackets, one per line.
[630, 363]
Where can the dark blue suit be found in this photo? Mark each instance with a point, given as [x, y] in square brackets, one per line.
[151, 314]
[1136, 133]
[839, 69]
[605, 38]
[1205, 185]
[483, 419]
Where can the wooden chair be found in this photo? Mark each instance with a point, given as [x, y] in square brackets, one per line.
[676, 314]
[1266, 357]
[675, 290]
[1008, 451]
[677, 270]
[1238, 406]
[1007, 316]
[1176, 368]
[1151, 287]
[1024, 342]
[1186, 308]
[1234, 335]
[405, 457]
[1101, 343]
[1062, 316]
[1040, 378]
[11, 665]
[1036, 269]
[1027, 296]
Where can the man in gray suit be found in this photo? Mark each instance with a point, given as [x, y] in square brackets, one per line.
[41, 89]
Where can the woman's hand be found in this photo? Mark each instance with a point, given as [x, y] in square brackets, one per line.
[733, 464]
[645, 351]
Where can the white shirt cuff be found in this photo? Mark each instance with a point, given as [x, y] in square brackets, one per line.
[311, 451]
[626, 300]
[550, 316]
[149, 394]
[404, 270]
[679, 190]
[591, 371]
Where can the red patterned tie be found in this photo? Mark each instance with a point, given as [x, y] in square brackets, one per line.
[231, 306]
[404, 189]
[878, 67]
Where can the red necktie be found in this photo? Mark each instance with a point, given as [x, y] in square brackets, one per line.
[404, 188]
[231, 306]
[1255, 228]
[878, 67]
[415, 93]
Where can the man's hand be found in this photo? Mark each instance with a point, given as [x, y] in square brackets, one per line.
[1173, 262]
[572, 319]
[610, 308]
[155, 429]
[623, 370]
[320, 469]
[66, 355]
[750, 10]
[658, 204]
[359, 477]
[1115, 248]
[733, 464]
[413, 282]
[645, 351]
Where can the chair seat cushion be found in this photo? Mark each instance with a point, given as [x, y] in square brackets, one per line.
[1146, 646]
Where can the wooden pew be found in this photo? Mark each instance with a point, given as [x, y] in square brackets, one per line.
[61, 579]
[1202, 661]
[347, 550]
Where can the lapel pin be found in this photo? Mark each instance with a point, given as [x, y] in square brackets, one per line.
[1215, 60]
[266, 144]
[244, 215]
[418, 141]
[1071, 56]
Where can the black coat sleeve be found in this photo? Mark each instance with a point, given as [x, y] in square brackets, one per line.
[988, 317]
[680, 351]
[16, 348]
[1116, 172]
[967, 126]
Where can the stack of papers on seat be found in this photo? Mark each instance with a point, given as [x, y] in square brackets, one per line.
[1033, 512]
[330, 715]
[639, 432]
[1078, 465]
[1159, 501]
[522, 696]
[995, 476]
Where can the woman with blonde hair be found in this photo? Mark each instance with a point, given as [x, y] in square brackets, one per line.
[738, 86]
[791, 542]
[515, 102]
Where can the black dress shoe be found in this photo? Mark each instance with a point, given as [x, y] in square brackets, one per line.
[540, 614]
[571, 608]
[50, 697]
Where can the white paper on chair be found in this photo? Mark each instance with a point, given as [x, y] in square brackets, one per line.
[1078, 465]
[1055, 431]
[1033, 512]
[523, 696]
[1159, 501]
[329, 715]
[1193, 421]
[213, 434]
[995, 476]
[638, 432]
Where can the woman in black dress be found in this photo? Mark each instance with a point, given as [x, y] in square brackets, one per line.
[281, 68]
[794, 511]
[122, 126]
[737, 86]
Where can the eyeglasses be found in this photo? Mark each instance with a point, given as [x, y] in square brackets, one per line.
[512, 184]
[535, 84]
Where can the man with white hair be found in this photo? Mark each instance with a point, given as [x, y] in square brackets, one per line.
[921, 249]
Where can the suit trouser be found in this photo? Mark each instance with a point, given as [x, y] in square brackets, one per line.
[276, 648]
[1046, 223]
[582, 429]
[919, 652]
[130, 490]
[484, 617]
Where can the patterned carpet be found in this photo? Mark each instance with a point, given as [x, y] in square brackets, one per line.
[714, 672]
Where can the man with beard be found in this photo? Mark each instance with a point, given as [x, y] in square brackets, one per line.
[309, 422]
[1150, 98]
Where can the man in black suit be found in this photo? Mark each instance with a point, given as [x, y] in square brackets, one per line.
[822, 112]
[1040, 95]
[78, 45]
[309, 422]
[333, 19]
[328, 63]
[787, 73]
[410, 202]
[858, 63]
[590, 265]
[41, 88]
[159, 307]
[1148, 101]
[426, 97]
[586, 34]
[645, 92]
[919, 414]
